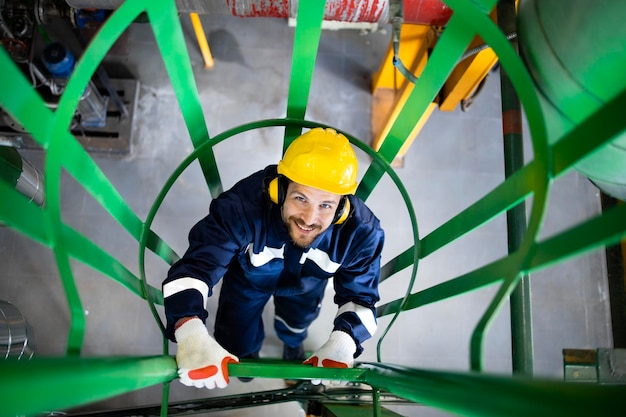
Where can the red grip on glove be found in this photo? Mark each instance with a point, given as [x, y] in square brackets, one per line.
[326, 363]
[209, 371]
[337, 352]
[202, 373]
[202, 362]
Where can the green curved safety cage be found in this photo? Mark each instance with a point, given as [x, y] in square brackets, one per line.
[473, 393]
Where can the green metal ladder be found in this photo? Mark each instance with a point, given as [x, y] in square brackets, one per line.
[85, 380]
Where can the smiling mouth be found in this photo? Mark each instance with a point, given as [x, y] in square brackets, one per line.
[305, 228]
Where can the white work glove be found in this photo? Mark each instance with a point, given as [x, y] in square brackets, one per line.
[202, 362]
[337, 352]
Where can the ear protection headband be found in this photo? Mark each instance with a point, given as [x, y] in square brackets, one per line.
[277, 190]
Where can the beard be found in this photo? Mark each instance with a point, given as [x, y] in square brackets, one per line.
[300, 238]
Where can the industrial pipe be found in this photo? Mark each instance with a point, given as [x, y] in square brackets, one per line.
[16, 335]
[21, 174]
[520, 303]
[425, 12]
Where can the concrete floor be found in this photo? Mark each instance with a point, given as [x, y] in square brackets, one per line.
[456, 159]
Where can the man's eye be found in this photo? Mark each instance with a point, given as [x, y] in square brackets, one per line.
[300, 198]
[326, 206]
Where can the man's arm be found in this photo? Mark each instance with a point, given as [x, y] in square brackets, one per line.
[213, 242]
[184, 297]
[356, 288]
[356, 293]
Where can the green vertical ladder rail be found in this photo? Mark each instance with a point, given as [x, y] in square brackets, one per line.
[465, 393]
[513, 145]
[310, 15]
[170, 40]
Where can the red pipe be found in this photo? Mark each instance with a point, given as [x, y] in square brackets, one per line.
[354, 10]
[259, 8]
[425, 12]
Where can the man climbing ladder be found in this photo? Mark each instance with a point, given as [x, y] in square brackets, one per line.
[283, 232]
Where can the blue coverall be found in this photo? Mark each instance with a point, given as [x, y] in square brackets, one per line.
[244, 240]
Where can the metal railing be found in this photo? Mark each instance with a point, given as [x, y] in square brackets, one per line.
[471, 393]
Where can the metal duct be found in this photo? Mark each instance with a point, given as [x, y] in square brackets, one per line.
[30, 183]
[425, 12]
[18, 172]
[16, 336]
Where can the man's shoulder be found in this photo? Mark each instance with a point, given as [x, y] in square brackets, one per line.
[361, 213]
[253, 183]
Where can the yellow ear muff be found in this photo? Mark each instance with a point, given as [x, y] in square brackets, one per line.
[344, 212]
[272, 190]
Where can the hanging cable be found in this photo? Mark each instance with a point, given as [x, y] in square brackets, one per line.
[396, 11]
[482, 47]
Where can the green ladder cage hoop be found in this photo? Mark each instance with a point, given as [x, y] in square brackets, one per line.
[471, 393]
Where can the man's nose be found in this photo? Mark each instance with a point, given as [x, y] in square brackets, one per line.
[308, 215]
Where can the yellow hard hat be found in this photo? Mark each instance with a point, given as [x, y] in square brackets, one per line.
[322, 159]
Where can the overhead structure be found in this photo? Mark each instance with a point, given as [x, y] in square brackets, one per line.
[467, 393]
[423, 12]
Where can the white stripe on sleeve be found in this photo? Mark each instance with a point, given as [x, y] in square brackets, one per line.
[322, 260]
[268, 254]
[186, 283]
[363, 313]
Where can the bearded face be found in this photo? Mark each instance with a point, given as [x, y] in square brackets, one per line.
[307, 212]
